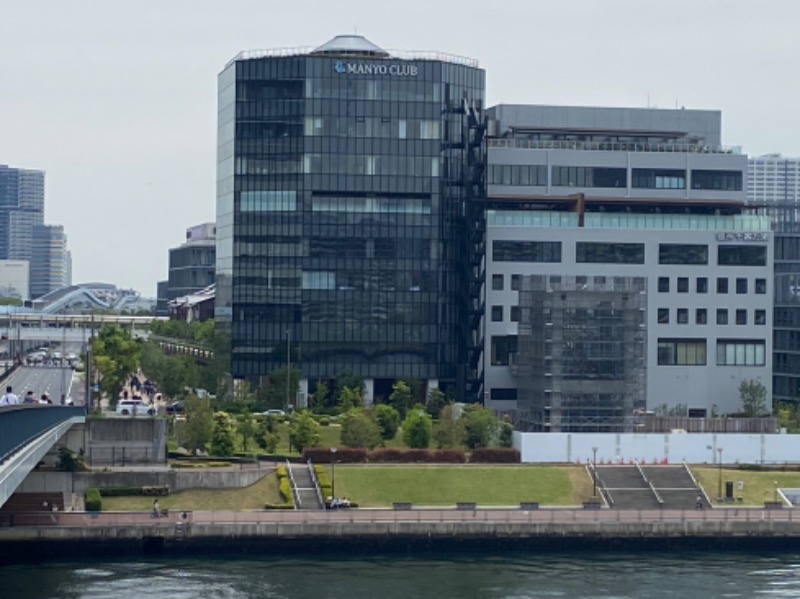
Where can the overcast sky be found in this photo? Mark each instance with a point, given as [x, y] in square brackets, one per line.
[116, 100]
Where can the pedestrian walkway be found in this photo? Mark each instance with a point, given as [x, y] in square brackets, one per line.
[631, 487]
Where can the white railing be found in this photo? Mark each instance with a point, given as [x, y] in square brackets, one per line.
[608, 146]
[295, 492]
[392, 55]
[315, 480]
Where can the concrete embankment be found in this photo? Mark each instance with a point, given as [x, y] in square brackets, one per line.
[387, 530]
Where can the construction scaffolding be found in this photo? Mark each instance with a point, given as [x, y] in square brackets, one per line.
[581, 358]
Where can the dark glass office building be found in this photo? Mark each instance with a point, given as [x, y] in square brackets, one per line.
[346, 240]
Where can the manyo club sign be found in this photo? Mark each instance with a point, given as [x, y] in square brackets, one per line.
[375, 68]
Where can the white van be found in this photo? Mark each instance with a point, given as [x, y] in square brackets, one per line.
[134, 407]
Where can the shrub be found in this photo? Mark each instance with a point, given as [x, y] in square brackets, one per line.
[285, 485]
[388, 420]
[448, 456]
[185, 464]
[278, 506]
[495, 455]
[325, 486]
[324, 421]
[417, 429]
[399, 455]
[93, 501]
[69, 461]
[344, 455]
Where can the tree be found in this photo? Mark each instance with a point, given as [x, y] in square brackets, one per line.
[359, 430]
[417, 429]
[400, 399]
[223, 436]
[246, 428]
[10, 301]
[388, 420]
[482, 427]
[303, 431]
[449, 432]
[436, 402]
[753, 395]
[267, 435]
[273, 393]
[320, 395]
[506, 434]
[350, 398]
[115, 356]
[349, 379]
[199, 424]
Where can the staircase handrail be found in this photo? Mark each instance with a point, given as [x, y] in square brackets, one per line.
[641, 472]
[697, 485]
[295, 492]
[658, 497]
[315, 480]
[601, 485]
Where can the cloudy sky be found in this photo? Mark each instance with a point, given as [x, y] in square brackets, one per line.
[116, 99]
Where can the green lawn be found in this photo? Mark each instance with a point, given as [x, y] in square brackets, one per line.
[247, 498]
[758, 486]
[380, 486]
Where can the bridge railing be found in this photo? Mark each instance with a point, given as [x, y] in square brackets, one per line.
[20, 424]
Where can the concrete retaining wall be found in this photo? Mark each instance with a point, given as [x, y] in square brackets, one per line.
[178, 480]
[123, 441]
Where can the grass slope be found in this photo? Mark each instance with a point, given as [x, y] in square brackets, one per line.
[245, 498]
[444, 486]
[758, 486]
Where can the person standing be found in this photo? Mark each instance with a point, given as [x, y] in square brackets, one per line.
[9, 399]
[156, 509]
[30, 397]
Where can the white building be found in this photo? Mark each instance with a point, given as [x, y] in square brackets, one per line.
[15, 279]
[773, 179]
[662, 202]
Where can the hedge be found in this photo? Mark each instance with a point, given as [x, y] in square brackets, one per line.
[214, 464]
[325, 487]
[285, 485]
[495, 455]
[343, 455]
[278, 506]
[429, 456]
[160, 490]
[92, 500]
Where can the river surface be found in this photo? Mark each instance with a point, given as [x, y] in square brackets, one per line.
[440, 576]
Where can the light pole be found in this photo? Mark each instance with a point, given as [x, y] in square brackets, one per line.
[333, 472]
[594, 472]
[288, 365]
[719, 468]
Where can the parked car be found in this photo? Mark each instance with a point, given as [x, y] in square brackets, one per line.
[175, 408]
[134, 407]
[276, 413]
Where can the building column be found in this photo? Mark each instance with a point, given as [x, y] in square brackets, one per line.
[302, 395]
[369, 392]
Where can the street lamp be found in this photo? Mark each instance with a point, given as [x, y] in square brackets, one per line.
[719, 467]
[333, 472]
[594, 472]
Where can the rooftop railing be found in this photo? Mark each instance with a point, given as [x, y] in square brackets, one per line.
[609, 146]
[393, 55]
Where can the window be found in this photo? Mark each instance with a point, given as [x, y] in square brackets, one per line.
[497, 313]
[526, 251]
[702, 285]
[760, 317]
[717, 180]
[514, 313]
[514, 174]
[588, 176]
[319, 280]
[682, 253]
[502, 348]
[648, 178]
[681, 352]
[701, 316]
[722, 285]
[741, 316]
[663, 316]
[683, 316]
[741, 286]
[663, 284]
[683, 284]
[722, 316]
[498, 394]
[742, 255]
[516, 281]
[497, 282]
[761, 285]
[268, 201]
[741, 352]
[609, 253]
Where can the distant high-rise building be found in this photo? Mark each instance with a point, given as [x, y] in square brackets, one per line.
[21, 207]
[14, 280]
[773, 179]
[191, 266]
[48, 259]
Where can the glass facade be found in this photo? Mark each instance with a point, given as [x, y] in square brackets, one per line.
[339, 232]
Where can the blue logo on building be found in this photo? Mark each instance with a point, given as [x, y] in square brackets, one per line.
[339, 67]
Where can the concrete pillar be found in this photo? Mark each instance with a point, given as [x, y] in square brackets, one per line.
[369, 392]
[302, 395]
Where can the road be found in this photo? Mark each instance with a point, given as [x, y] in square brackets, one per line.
[41, 379]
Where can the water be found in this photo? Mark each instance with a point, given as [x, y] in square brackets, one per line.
[507, 576]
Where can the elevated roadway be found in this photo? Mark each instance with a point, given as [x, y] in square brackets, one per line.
[41, 379]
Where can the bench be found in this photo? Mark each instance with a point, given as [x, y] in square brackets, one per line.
[402, 505]
[529, 505]
[465, 505]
